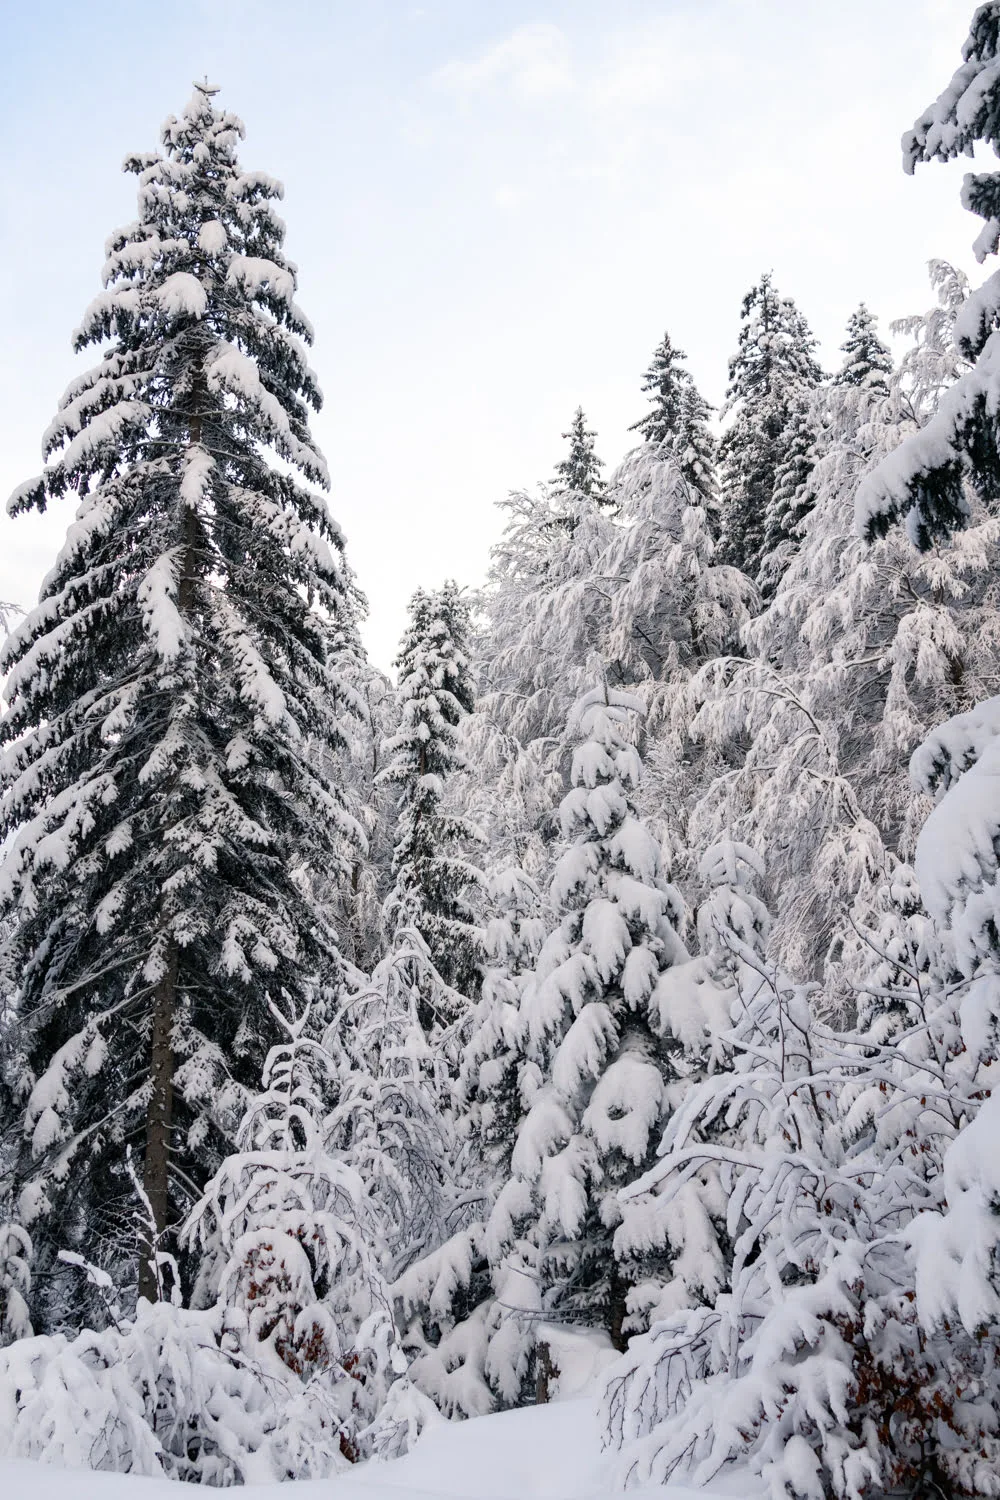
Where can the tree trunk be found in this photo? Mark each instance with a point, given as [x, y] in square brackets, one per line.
[617, 1292]
[159, 1111]
[545, 1374]
[156, 1168]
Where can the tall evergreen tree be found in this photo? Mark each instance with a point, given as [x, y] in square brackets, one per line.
[162, 811]
[666, 604]
[432, 875]
[543, 616]
[579, 473]
[770, 371]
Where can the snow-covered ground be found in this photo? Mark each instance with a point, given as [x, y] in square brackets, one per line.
[538, 1453]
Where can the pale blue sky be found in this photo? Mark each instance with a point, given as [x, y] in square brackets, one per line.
[496, 209]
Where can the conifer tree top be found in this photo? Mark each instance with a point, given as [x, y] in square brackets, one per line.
[580, 471]
[867, 361]
[666, 381]
[432, 657]
[773, 368]
[202, 264]
[776, 347]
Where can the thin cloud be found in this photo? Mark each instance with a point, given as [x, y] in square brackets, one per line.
[533, 63]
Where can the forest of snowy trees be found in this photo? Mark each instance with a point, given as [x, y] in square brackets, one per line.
[626, 968]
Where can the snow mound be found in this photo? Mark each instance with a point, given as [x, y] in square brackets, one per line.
[538, 1453]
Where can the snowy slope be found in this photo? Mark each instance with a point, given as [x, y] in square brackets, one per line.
[538, 1453]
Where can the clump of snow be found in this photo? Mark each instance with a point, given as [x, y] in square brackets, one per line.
[157, 593]
[182, 295]
[212, 237]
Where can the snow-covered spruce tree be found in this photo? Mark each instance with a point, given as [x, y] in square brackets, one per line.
[579, 473]
[611, 1021]
[549, 542]
[867, 361]
[665, 381]
[164, 814]
[696, 450]
[679, 418]
[773, 366]
[433, 877]
[816, 421]
[537, 631]
[931, 483]
[400, 1036]
[614, 1017]
[668, 605]
[862, 650]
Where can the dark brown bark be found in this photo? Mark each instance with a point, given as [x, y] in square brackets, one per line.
[188, 578]
[159, 1111]
[617, 1292]
[545, 1374]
